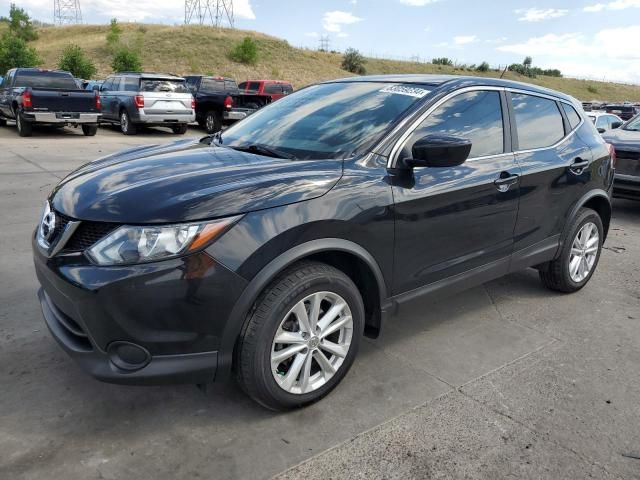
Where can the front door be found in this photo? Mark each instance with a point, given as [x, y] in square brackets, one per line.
[450, 220]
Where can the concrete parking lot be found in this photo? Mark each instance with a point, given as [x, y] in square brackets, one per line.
[505, 380]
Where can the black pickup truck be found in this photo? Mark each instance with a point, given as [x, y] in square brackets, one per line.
[47, 97]
[220, 102]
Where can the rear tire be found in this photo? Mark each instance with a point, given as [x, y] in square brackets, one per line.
[579, 255]
[321, 356]
[89, 130]
[180, 129]
[25, 129]
[126, 126]
[3, 122]
[212, 122]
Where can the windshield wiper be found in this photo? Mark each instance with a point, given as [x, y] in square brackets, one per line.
[265, 150]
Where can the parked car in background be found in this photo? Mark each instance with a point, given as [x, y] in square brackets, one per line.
[33, 96]
[92, 84]
[625, 111]
[605, 121]
[219, 101]
[269, 250]
[133, 99]
[626, 141]
[276, 89]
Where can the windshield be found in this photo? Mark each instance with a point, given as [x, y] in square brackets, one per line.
[177, 86]
[633, 124]
[46, 80]
[327, 121]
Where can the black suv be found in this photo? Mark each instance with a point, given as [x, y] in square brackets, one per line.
[269, 249]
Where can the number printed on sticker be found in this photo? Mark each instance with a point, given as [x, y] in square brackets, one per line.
[404, 90]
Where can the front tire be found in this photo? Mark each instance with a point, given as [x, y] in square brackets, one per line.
[25, 129]
[126, 126]
[301, 337]
[579, 256]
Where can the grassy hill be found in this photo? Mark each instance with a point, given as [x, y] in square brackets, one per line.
[198, 49]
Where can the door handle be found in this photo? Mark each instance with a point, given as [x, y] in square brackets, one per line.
[578, 166]
[505, 180]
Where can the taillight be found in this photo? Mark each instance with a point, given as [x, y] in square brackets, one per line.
[612, 154]
[27, 101]
[138, 101]
[98, 102]
[228, 102]
[193, 103]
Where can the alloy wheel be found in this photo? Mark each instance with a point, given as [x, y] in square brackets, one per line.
[210, 122]
[124, 122]
[584, 252]
[311, 342]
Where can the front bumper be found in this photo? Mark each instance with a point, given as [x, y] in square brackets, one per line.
[62, 117]
[626, 186]
[169, 316]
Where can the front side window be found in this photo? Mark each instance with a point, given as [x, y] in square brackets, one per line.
[107, 85]
[602, 122]
[129, 84]
[476, 116]
[538, 121]
[327, 121]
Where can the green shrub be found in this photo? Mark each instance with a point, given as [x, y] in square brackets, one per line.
[245, 52]
[113, 36]
[74, 60]
[442, 61]
[126, 60]
[353, 61]
[14, 52]
[592, 89]
[483, 67]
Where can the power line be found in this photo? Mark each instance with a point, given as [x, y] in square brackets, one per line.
[209, 12]
[324, 43]
[67, 12]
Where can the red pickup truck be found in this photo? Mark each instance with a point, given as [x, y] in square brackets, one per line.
[276, 89]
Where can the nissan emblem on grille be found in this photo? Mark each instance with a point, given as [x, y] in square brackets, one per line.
[48, 225]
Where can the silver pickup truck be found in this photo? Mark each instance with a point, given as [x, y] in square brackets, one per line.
[48, 97]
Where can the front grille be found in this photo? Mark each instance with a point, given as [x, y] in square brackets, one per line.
[87, 233]
[627, 154]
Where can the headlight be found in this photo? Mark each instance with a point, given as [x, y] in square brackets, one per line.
[130, 244]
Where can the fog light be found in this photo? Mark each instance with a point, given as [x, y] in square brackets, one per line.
[128, 356]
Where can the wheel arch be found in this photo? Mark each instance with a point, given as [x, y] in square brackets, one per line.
[347, 256]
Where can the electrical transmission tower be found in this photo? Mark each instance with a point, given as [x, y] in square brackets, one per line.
[66, 12]
[214, 12]
[324, 43]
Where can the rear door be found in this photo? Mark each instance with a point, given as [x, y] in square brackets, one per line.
[450, 220]
[555, 165]
[165, 96]
[107, 98]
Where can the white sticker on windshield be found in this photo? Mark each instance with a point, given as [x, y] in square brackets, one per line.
[404, 90]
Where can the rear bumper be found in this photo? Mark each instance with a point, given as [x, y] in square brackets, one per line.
[163, 118]
[626, 186]
[236, 114]
[62, 117]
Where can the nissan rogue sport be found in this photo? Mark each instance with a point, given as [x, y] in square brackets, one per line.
[268, 250]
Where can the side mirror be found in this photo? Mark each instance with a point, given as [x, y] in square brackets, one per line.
[439, 151]
[615, 125]
[601, 130]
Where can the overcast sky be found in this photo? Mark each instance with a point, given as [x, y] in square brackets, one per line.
[597, 39]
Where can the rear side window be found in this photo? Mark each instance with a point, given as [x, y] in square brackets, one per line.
[476, 116]
[538, 121]
[272, 88]
[160, 85]
[572, 115]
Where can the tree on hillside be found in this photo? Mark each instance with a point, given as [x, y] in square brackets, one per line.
[113, 36]
[245, 52]
[527, 62]
[20, 24]
[74, 60]
[353, 61]
[126, 60]
[14, 52]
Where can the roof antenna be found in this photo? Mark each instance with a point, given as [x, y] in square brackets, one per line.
[504, 71]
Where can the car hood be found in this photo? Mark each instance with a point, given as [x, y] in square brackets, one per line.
[623, 139]
[187, 181]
